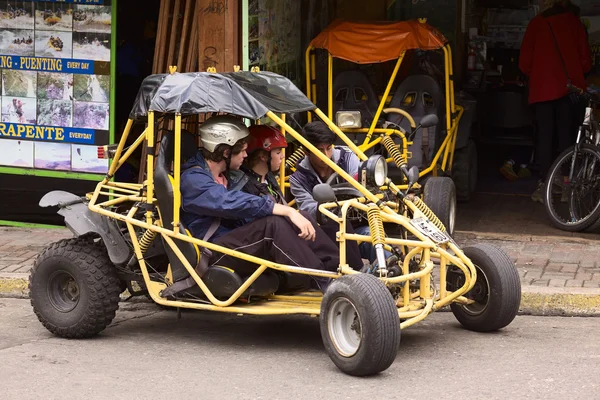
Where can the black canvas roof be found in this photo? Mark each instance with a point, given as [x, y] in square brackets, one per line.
[247, 94]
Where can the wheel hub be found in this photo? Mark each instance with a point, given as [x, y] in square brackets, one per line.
[63, 291]
[480, 294]
[345, 328]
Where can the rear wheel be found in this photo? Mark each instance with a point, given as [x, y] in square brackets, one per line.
[439, 194]
[74, 288]
[359, 323]
[496, 294]
[464, 171]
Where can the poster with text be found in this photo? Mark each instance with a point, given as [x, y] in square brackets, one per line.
[55, 82]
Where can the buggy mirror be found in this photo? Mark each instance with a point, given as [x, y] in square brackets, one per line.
[323, 193]
[413, 175]
[429, 120]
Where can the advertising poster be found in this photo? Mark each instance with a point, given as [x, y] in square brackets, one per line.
[55, 82]
[273, 37]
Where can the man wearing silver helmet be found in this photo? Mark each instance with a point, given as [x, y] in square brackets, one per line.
[211, 186]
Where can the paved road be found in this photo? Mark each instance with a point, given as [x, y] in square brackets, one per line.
[149, 354]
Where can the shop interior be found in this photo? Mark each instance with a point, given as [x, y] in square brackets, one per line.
[485, 36]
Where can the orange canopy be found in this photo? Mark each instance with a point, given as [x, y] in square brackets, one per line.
[375, 42]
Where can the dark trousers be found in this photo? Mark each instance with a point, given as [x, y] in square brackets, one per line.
[276, 239]
[556, 130]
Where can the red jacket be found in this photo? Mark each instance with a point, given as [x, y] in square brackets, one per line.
[539, 58]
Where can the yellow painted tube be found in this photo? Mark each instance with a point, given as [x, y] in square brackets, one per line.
[403, 113]
[150, 166]
[203, 286]
[443, 277]
[313, 74]
[114, 165]
[308, 77]
[330, 86]
[282, 168]
[177, 174]
[425, 281]
[385, 95]
[426, 311]
[451, 64]
[132, 148]
[447, 80]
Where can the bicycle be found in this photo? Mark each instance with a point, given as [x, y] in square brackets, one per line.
[575, 177]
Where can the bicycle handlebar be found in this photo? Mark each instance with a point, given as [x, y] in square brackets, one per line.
[583, 93]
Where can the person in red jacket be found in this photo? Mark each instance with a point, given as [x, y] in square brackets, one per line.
[554, 50]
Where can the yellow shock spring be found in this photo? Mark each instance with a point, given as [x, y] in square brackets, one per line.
[292, 160]
[420, 204]
[393, 151]
[146, 240]
[376, 225]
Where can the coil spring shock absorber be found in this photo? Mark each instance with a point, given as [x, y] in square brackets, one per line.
[420, 204]
[377, 233]
[145, 242]
[394, 152]
[296, 156]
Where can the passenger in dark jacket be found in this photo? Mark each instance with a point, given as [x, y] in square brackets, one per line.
[211, 189]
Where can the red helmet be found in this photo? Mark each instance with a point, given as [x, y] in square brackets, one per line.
[265, 137]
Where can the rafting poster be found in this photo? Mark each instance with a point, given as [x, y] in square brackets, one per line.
[55, 83]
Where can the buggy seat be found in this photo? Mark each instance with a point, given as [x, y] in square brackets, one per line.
[420, 95]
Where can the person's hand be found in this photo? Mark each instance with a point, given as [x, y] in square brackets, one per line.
[307, 231]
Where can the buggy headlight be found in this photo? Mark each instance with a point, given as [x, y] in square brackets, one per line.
[348, 119]
[373, 171]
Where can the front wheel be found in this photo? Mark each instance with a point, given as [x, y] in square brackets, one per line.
[359, 323]
[74, 288]
[496, 294]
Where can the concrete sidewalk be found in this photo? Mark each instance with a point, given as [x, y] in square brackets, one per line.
[559, 275]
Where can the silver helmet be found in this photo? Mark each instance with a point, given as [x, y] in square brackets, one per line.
[222, 129]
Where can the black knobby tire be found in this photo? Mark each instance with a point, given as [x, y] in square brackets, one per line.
[497, 290]
[555, 173]
[439, 194]
[74, 288]
[375, 326]
[464, 171]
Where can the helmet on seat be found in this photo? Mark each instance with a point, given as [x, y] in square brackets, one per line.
[222, 129]
[266, 138]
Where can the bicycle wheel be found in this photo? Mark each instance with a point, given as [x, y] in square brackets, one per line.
[572, 190]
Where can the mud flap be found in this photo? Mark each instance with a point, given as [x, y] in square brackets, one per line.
[80, 220]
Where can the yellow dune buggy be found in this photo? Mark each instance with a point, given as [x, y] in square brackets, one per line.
[131, 236]
[415, 122]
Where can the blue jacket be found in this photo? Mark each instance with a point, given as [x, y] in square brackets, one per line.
[305, 178]
[203, 200]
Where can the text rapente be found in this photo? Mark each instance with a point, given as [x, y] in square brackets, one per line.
[46, 133]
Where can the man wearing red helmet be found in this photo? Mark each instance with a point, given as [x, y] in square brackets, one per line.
[265, 155]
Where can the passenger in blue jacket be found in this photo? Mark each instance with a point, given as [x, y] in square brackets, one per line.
[211, 186]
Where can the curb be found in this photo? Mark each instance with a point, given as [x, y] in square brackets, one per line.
[589, 239]
[14, 285]
[538, 301]
[571, 302]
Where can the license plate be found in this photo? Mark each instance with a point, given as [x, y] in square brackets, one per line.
[430, 230]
